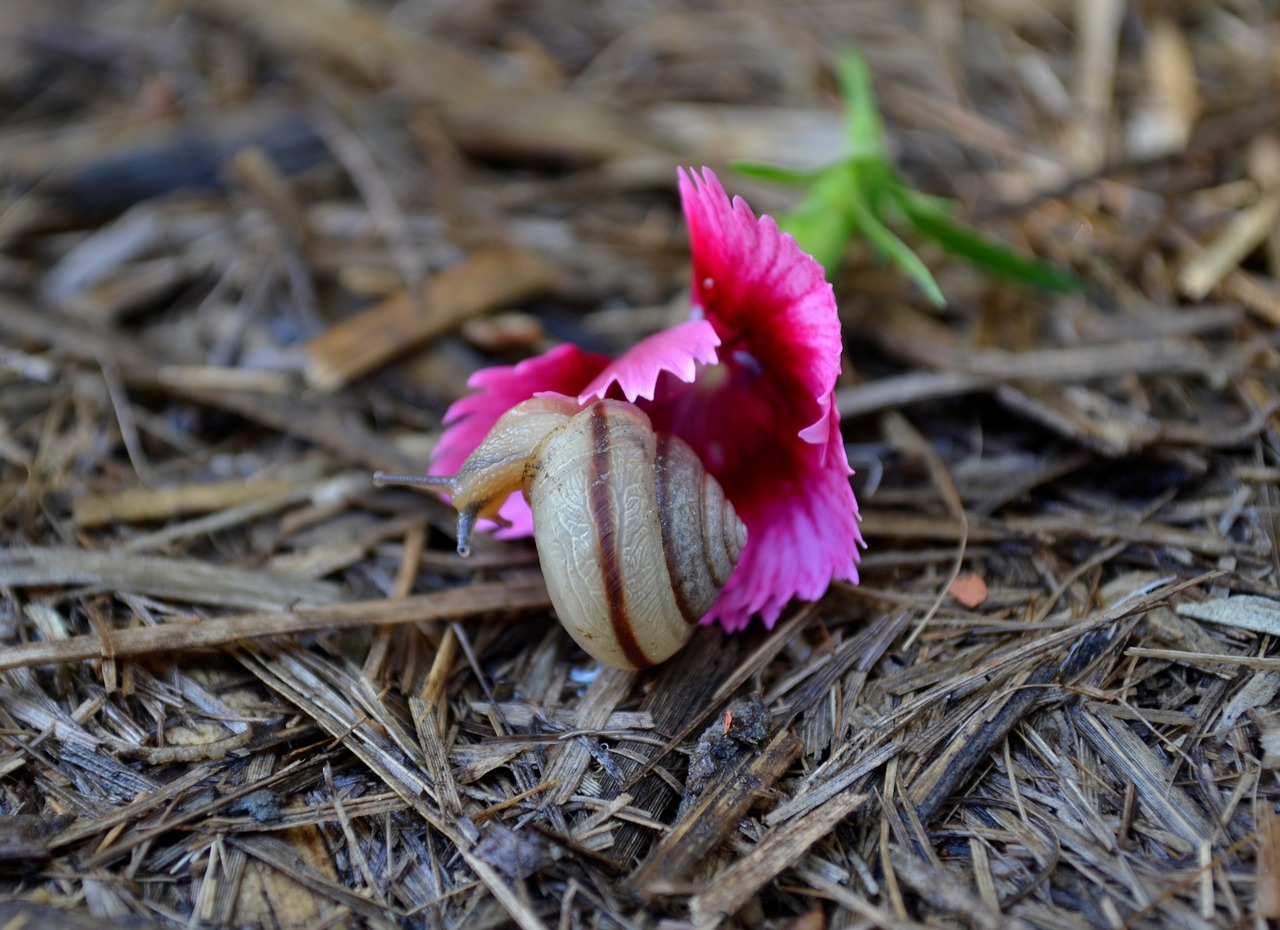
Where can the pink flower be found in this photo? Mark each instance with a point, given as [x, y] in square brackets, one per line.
[747, 383]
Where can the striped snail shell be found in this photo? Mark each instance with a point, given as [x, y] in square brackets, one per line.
[635, 538]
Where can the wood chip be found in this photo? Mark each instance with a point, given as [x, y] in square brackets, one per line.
[777, 850]
[1246, 231]
[1163, 122]
[715, 815]
[175, 637]
[1244, 611]
[1120, 748]
[488, 280]
[1268, 863]
[1088, 417]
[188, 581]
[141, 504]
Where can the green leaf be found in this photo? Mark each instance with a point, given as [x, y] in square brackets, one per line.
[990, 256]
[942, 207]
[881, 187]
[821, 224]
[855, 196]
[862, 119]
[778, 174]
[894, 248]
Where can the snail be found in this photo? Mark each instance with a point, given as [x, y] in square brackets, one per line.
[635, 538]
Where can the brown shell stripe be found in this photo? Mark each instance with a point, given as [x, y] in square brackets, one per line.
[607, 539]
[715, 523]
[669, 553]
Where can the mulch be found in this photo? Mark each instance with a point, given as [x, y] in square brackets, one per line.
[250, 252]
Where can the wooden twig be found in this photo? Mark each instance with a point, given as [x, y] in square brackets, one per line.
[474, 600]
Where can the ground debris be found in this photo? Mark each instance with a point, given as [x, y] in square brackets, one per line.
[746, 722]
[249, 254]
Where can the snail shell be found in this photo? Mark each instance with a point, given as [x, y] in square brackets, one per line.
[635, 538]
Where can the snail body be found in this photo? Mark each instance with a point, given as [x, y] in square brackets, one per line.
[635, 538]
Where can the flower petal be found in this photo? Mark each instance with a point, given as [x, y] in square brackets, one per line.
[770, 302]
[517, 519]
[563, 370]
[805, 541]
[763, 421]
[675, 350]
